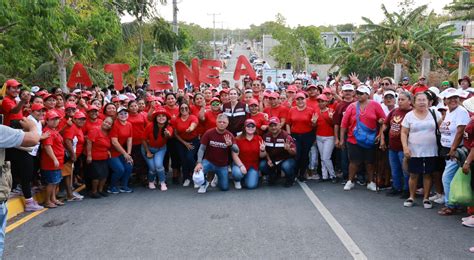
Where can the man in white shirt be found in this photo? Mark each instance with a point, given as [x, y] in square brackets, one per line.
[270, 85]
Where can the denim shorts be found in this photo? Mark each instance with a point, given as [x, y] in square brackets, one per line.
[52, 176]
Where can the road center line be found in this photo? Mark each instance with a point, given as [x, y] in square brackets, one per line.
[346, 240]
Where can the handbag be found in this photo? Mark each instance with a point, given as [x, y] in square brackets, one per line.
[441, 153]
[364, 135]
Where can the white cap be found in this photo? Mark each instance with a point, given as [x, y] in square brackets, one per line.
[347, 87]
[35, 89]
[198, 178]
[120, 109]
[332, 82]
[122, 97]
[364, 89]
[390, 92]
[434, 90]
[449, 92]
[463, 93]
[469, 104]
[76, 91]
[248, 91]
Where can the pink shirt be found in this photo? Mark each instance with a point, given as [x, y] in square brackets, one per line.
[369, 116]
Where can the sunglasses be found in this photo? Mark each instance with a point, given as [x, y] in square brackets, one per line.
[360, 93]
[215, 104]
[255, 84]
[250, 126]
[386, 84]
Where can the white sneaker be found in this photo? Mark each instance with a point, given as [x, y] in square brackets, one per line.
[151, 185]
[196, 186]
[349, 185]
[203, 187]
[186, 183]
[214, 181]
[408, 203]
[163, 187]
[371, 186]
[435, 197]
[427, 204]
[237, 184]
[439, 200]
[76, 194]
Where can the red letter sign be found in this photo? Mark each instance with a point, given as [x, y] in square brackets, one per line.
[248, 70]
[182, 71]
[79, 76]
[117, 71]
[159, 77]
[209, 73]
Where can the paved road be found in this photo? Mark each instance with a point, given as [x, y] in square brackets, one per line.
[270, 222]
[228, 73]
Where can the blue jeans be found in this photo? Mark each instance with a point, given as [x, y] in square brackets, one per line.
[287, 166]
[250, 179]
[155, 163]
[448, 175]
[3, 221]
[188, 157]
[121, 170]
[395, 159]
[344, 162]
[221, 171]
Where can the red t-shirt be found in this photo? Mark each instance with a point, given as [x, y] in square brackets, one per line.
[89, 125]
[312, 103]
[139, 123]
[210, 118]
[150, 138]
[279, 111]
[180, 126]
[324, 125]
[419, 88]
[217, 152]
[60, 112]
[300, 121]
[200, 129]
[55, 140]
[369, 116]
[469, 135]
[74, 131]
[260, 120]
[249, 151]
[100, 144]
[174, 113]
[122, 132]
[8, 104]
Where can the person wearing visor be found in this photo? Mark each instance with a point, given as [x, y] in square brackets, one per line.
[246, 162]
[364, 114]
[281, 150]
[121, 161]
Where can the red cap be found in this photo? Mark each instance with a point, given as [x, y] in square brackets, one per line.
[274, 95]
[70, 105]
[41, 93]
[51, 114]
[12, 83]
[215, 99]
[274, 120]
[79, 115]
[224, 91]
[47, 95]
[322, 97]
[253, 101]
[150, 98]
[327, 91]
[84, 95]
[292, 88]
[161, 111]
[87, 92]
[249, 121]
[115, 99]
[300, 95]
[311, 86]
[37, 107]
[92, 107]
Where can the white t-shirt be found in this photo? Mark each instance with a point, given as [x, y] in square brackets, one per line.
[39, 127]
[453, 119]
[271, 86]
[422, 137]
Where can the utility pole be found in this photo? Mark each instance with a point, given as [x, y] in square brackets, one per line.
[214, 32]
[175, 53]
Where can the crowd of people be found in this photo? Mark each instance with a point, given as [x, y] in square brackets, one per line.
[402, 137]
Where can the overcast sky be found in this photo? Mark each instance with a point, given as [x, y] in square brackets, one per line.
[242, 13]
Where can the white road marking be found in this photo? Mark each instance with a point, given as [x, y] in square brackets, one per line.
[346, 240]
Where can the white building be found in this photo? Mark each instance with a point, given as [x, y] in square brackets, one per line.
[330, 38]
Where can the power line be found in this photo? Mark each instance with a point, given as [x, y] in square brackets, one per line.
[214, 32]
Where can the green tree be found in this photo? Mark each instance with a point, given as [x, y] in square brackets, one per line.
[461, 9]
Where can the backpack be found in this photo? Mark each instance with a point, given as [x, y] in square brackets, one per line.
[364, 135]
